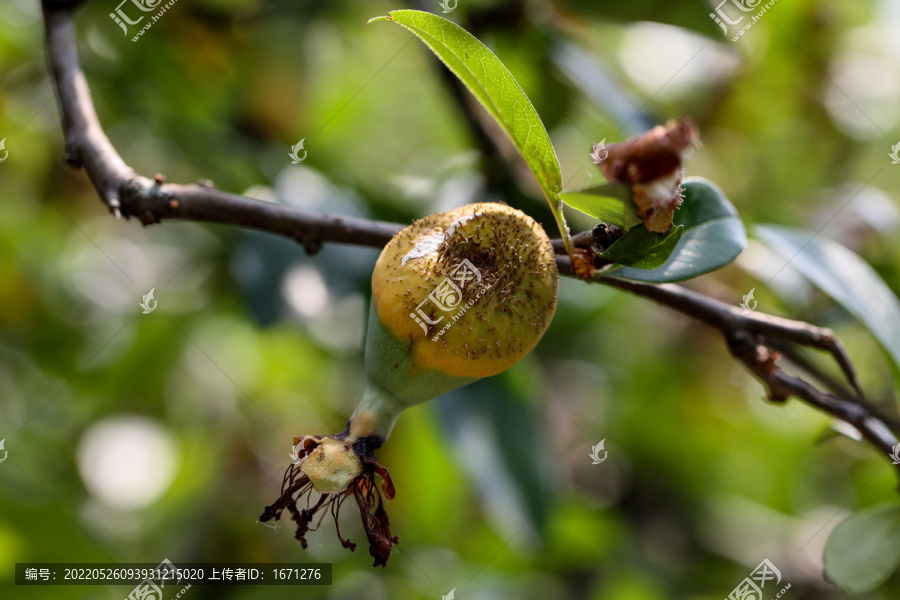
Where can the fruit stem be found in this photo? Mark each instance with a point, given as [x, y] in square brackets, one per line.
[560, 216]
[376, 414]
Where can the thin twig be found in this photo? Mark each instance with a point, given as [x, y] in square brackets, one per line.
[746, 336]
[798, 357]
[128, 194]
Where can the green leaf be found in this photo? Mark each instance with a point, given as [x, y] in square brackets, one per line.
[611, 191]
[631, 216]
[713, 236]
[643, 249]
[497, 90]
[864, 550]
[607, 202]
[604, 208]
[844, 276]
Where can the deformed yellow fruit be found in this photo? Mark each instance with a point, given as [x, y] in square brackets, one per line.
[471, 290]
[456, 296]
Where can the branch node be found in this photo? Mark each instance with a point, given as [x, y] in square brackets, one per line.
[583, 263]
[73, 157]
[778, 396]
[114, 206]
[148, 217]
[312, 247]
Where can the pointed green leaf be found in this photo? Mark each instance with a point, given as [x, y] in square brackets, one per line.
[713, 236]
[844, 276]
[609, 210]
[864, 550]
[643, 249]
[604, 202]
[630, 216]
[495, 88]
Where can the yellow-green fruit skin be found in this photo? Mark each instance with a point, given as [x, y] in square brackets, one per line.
[499, 318]
[506, 313]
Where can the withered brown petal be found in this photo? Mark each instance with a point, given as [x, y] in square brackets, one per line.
[388, 485]
[652, 164]
[297, 486]
[381, 542]
[651, 155]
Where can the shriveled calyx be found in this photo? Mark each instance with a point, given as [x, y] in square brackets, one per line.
[336, 469]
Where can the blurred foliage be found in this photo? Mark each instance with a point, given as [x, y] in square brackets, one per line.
[253, 341]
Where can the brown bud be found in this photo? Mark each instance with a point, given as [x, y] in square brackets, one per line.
[652, 165]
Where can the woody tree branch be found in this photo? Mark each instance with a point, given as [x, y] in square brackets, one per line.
[748, 337]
